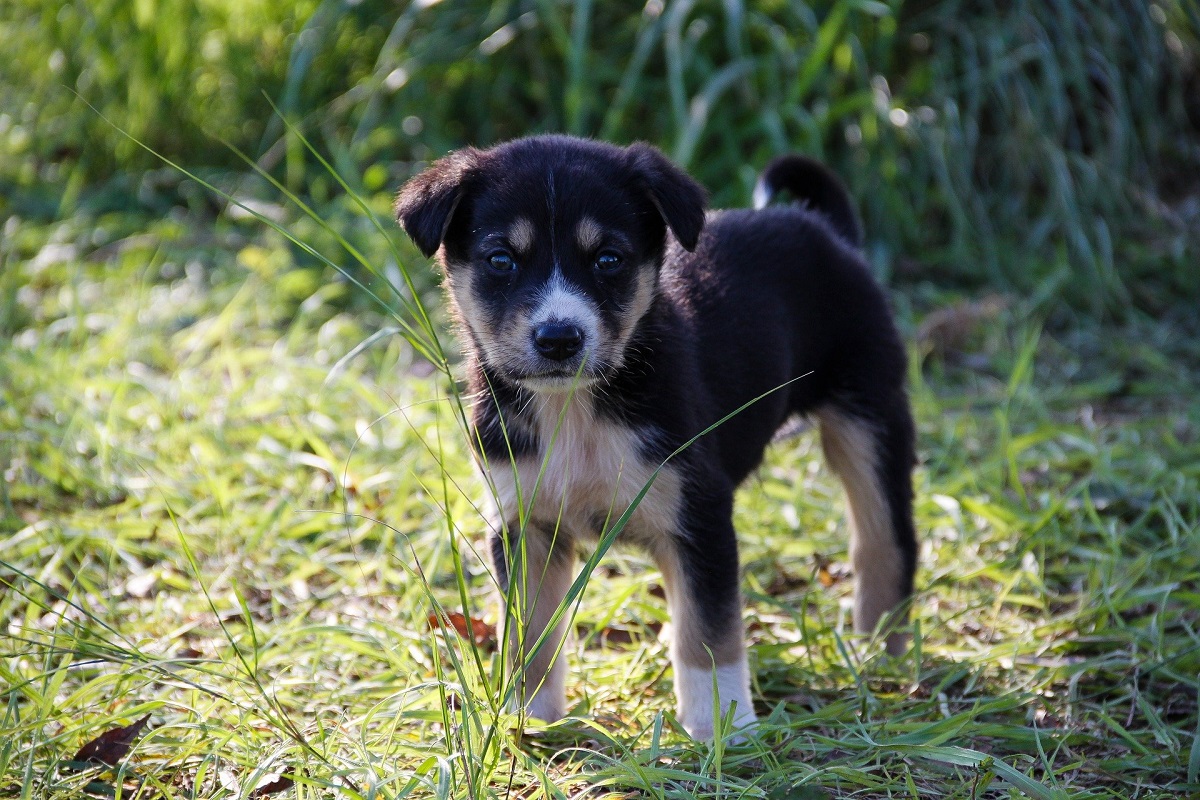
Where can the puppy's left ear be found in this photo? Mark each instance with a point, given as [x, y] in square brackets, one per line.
[679, 199]
[426, 204]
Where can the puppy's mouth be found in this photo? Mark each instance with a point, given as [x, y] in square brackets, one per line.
[560, 357]
[518, 363]
[574, 374]
[557, 382]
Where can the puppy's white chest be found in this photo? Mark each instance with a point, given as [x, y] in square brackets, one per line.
[586, 473]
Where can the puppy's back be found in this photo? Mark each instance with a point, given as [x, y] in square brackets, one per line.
[770, 296]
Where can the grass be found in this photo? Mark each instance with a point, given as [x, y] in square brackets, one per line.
[236, 492]
[213, 516]
[1067, 128]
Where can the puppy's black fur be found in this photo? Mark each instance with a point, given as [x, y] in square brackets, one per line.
[609, 321]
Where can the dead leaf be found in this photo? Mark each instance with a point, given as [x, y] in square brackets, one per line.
[785, 582]
[141, 586]
[805, 700]
[830, 572]
[112, 745]
[919, 691]
[229, 781]
[950, 329]
[274, 782]
[825, 577]
[478, 631]
[616, 635]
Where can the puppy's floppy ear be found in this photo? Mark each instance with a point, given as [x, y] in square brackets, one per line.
[679, 199]
[426, 204]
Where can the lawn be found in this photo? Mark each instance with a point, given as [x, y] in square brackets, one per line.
[238, 514]
[223, 511]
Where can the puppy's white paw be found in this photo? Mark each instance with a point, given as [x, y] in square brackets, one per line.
[544, 694]
[694, 689]
[547, 705]
[702, 729]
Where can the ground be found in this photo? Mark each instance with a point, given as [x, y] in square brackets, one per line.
[236, 498]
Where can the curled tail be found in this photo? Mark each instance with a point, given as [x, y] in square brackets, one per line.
[816, 185]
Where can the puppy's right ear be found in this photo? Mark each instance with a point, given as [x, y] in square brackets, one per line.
[679, 199]
[426, 204]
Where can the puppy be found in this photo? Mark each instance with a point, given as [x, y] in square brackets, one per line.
[609, 322]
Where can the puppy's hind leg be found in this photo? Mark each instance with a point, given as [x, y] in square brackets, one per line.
[700, 572]
[535, 570]
[874, 456]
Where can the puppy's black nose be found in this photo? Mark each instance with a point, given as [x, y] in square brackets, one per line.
[557, 340]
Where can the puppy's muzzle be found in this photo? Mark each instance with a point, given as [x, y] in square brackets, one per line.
[557, 340]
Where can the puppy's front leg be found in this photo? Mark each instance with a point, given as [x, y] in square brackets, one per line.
[700, 570]
[535, 570]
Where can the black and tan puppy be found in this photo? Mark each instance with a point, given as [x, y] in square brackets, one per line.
[608, 322]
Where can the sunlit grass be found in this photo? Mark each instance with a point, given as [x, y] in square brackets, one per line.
[207, 521]
[237, 493]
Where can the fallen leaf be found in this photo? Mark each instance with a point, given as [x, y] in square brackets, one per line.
[830, 572]
[611, 636]
[274, 782]
[950, 329]
[785, 582]
[112, 745]
[620, 634]
[229, 781]
[804, 700]
[478, 631]
[825, 577]
[141, 586]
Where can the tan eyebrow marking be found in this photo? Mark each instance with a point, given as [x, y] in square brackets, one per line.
[588, 233]
[521, 234]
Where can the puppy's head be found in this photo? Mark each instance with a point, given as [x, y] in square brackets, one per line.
[551, 247]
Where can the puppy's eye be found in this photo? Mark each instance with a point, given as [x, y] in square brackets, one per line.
[608, 262]
[502, 262]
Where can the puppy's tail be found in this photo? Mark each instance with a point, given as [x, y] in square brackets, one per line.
[814, 184]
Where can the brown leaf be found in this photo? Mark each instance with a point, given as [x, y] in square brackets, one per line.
[474, 629]
[950, 329]
[785, 582]
[112, 745]
[919, 691]
[277, 783]
[825, 577]
[614, 635]
[829, 572]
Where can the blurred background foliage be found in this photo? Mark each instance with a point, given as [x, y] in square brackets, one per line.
[1047, 148]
